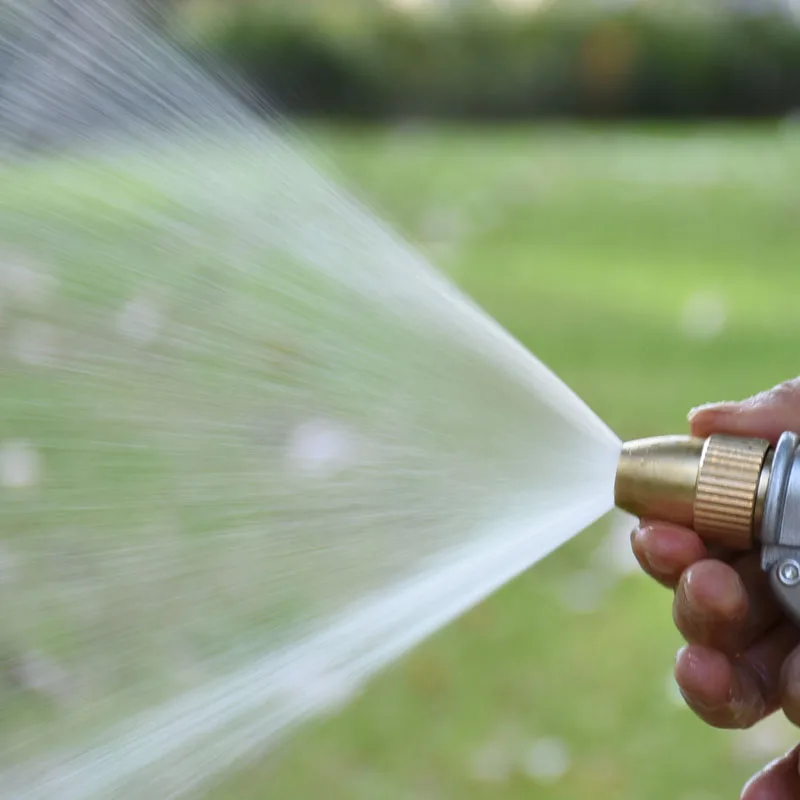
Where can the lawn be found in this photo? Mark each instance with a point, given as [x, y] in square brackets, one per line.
[652, 269]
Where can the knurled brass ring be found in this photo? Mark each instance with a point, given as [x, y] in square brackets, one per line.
[727, 488]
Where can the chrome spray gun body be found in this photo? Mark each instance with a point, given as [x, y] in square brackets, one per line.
[736, 492]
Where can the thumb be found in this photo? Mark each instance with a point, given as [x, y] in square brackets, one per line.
[765, 416]
[778, 781]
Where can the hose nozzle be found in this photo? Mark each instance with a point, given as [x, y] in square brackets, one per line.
[737, 492]
[717, 486]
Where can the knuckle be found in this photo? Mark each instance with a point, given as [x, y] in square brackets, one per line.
[784, 393]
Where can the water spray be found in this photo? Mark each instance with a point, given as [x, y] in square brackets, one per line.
[736, 492]
[254, 446]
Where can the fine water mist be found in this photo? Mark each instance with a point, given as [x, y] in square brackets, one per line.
[252, 446]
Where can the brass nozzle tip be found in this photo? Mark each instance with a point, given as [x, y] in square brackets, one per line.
[657, 478]
[714, 485]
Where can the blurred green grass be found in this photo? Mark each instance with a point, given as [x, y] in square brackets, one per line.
[653, 269]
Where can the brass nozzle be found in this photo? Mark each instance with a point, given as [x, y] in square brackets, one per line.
[716, 485]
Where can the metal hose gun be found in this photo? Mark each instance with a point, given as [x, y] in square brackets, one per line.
[737, 492]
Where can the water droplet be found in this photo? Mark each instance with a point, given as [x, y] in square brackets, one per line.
[703, 316]
[140, 321]
[34, 343]
[20, 465]
[546, 760]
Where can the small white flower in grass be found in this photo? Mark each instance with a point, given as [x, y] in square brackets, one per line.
[317, 684]
[333, 691]
[673, 692]
[612, 5]
[583, 592]
[441, 251]
[8, 566]
[525, 6]
[407, 133]
[35, 672]
[23, 281]
[140, 321]
[767, 740]
[410, 5]
[34, 343]
[616, 553]
[20, 465]
[319, 447]
[443, 228]
[546, 760]
[791, 122]
[700, 795]
[493, 762]
[703, 316]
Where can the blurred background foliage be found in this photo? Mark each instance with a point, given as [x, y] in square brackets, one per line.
[511, 59]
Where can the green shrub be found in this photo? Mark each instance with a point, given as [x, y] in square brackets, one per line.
[504, 66]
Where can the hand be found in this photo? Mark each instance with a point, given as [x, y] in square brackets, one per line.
[742, 659]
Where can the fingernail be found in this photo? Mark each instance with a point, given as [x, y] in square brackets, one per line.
[713, 595]
[657, 565]
[689, 664]
[654, 561]
[688, 588]
[722, 406]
